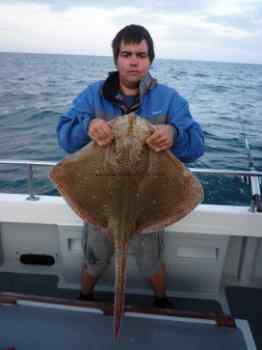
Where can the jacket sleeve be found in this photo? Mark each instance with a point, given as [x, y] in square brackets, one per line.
[189, 141]
[73, 125]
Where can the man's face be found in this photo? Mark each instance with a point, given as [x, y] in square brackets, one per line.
[133, 62]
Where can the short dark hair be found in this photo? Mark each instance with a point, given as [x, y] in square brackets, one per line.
[133, 33]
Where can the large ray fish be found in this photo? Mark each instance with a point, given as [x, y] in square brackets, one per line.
[126, 189]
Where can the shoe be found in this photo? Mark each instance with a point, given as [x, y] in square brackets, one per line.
[163, 303]
[86, 297]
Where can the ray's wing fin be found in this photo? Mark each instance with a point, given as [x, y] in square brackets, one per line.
[168, 193]
[81, 178]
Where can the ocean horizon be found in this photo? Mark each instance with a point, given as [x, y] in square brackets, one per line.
[110, 57]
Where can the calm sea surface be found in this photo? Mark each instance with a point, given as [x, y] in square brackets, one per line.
[36, 89]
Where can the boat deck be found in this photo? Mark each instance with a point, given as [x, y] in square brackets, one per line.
[29, 323]
[54, 318]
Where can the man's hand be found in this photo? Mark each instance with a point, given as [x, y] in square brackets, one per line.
[162, 138]
[100, 132]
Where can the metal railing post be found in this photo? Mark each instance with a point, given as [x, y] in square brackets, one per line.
[32, 196]
[256, 200]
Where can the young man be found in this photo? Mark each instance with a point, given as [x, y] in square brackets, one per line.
[130, 89]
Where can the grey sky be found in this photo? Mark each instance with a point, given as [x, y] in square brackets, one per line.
[221, 30]
[181, 6]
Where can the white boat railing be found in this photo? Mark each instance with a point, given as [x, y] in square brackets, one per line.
[252, 177]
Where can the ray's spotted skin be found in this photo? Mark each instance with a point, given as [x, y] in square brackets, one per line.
[126, 189]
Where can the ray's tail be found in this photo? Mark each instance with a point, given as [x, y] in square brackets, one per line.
[120, 282]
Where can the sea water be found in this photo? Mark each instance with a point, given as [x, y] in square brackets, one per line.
[225, 98]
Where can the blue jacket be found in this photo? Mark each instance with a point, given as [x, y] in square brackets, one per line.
[158, 103]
